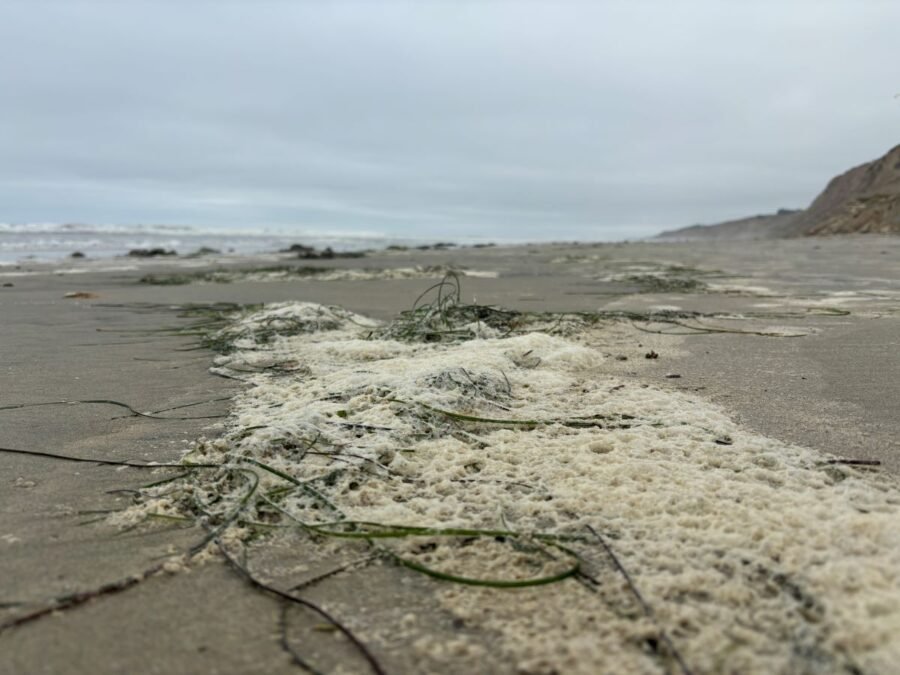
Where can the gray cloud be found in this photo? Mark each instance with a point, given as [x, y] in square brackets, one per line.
[519, 119]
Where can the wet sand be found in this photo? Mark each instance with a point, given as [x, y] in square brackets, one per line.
[834, 390]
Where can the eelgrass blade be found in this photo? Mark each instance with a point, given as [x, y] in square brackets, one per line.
[290, 597]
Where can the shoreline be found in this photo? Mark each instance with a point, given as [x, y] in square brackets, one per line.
[829, 388]
[39, 244]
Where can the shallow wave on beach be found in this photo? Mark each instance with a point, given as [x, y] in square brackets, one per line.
[55, 241]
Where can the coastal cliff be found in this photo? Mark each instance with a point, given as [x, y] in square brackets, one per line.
[864, 199]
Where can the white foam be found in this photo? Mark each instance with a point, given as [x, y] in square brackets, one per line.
[754, 556]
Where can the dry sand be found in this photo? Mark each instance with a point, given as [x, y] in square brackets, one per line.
[833, 390]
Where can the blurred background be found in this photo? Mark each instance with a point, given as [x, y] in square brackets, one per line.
[356, 124]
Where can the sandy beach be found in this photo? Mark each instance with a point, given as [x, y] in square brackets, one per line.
[757, 378]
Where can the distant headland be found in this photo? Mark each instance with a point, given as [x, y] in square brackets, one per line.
[865, 199]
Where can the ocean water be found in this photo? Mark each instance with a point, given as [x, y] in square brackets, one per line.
[55, 241]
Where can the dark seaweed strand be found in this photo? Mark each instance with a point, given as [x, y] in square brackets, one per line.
[81, 597]
[110, 462]
[285, 642]
[261, 585]
[106, 401]
[648, 610]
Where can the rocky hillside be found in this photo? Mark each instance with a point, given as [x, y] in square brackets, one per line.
[767, 226]
[863, 199]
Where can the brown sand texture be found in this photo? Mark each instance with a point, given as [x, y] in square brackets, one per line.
[649, 458]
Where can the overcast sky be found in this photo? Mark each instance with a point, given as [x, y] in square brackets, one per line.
[438, 118]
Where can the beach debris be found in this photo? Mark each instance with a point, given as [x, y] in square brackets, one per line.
[495, 452]
[646, 276]
[284, 319]
[107, 462]
[81, 295]
[462, 443]
[645, 606]
[678, 326]
[651, 355]
[8, 284]
[73, 600]
[299, 249]
[291, 272]
[439, 315]
[649, 277]
[167, 280]
[150, 252]
[203, 251]
[77, 254]
[311, 253]
[437, 246]
[291, 597]
[660, 283]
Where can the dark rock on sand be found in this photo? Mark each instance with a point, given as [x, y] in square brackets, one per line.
[299, 249]
[149, 252]
[309, 253]
[202, 251]
[439, 246]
